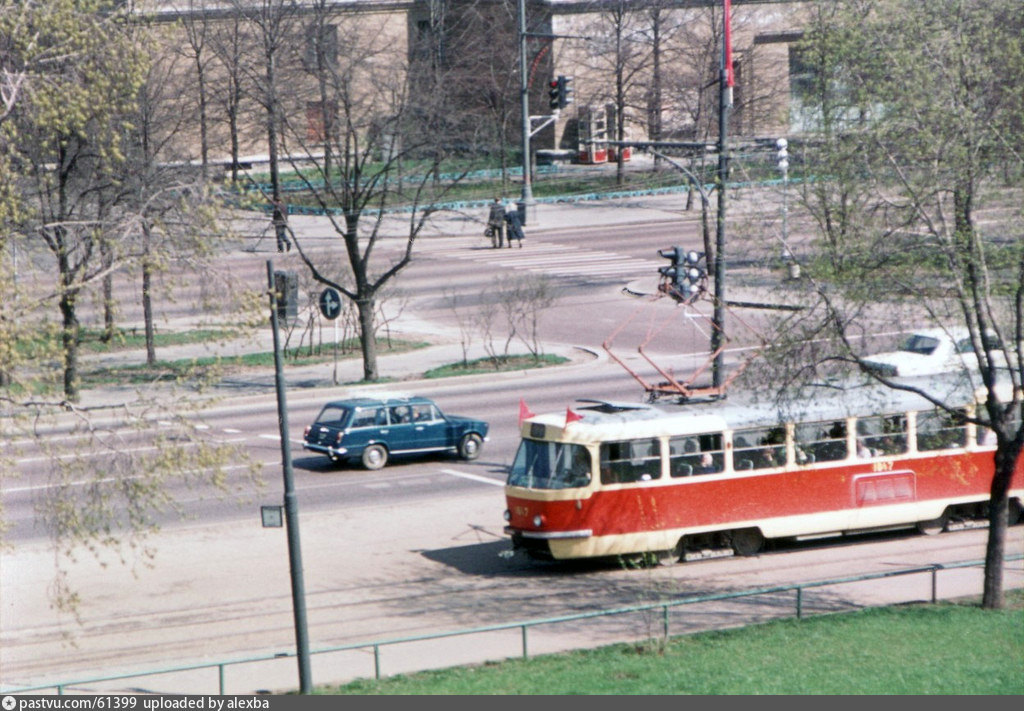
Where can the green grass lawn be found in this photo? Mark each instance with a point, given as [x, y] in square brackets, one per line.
[915, 649]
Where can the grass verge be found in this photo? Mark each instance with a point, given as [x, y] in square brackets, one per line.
[494, 365]
[948, 648]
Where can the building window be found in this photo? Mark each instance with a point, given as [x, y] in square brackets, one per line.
[327, 46]
[318, 116]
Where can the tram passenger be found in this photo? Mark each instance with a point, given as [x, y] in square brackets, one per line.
[707, 464]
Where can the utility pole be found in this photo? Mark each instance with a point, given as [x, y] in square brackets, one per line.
[524, 106]
[725, 81]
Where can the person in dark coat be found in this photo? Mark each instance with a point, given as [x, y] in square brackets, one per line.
[515, 226]
[496, 224]
[280, 220]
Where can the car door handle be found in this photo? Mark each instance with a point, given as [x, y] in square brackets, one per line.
[419, 428]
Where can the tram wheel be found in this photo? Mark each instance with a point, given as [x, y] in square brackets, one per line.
[667, 559]
[747, 541]
[936, 525]
[1014, 513]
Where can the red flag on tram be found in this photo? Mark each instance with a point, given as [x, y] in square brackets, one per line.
[524, 411]
[571, 416]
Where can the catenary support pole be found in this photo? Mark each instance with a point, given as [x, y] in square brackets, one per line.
[724, 101]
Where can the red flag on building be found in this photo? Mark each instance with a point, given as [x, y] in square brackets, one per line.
[571, 416]
[524, 411]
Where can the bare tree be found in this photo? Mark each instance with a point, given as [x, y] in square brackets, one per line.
[905, 164]
[275, 26]
[73, 140]
[621, 53]
[375, 127]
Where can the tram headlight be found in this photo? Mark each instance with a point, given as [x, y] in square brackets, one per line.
[538, 521]
[508, 515]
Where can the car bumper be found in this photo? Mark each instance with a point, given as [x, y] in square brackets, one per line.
[324, 449]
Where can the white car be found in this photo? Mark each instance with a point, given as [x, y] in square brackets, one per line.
[929, 351]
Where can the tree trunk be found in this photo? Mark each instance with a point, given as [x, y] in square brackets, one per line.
[107, 260]
[108, 308]
[147, 315]
[995, 549]
[69, 344]
[366, 308]
[147, 296]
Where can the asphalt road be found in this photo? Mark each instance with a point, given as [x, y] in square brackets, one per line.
[418, 547]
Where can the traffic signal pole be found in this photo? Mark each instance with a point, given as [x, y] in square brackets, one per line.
[524, 105]
[291, 505]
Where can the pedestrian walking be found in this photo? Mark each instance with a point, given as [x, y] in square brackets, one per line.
[515, 226]
[496, 224]
[280, 220]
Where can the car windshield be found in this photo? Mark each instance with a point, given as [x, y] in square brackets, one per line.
[924, 345]
[333, 415]
[550, 465]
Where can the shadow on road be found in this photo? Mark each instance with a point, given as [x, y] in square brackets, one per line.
[496, 558]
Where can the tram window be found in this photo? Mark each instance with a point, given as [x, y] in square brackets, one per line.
[759, 448]
[881, 435]
[986, 436]
[630, 461]
[820, 442]
[701, 454]
[939, 429]
[550, 465]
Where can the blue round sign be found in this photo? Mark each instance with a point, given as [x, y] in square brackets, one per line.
[330, 303]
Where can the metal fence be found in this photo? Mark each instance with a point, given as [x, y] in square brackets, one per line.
[525, 626]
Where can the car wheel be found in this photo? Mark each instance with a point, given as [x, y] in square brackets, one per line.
[375, 457]
[469, 447]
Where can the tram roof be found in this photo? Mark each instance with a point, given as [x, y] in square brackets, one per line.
[828, 401]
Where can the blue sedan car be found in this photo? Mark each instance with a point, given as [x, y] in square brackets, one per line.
[372, 430]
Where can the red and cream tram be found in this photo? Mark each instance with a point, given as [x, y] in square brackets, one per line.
[702, 480]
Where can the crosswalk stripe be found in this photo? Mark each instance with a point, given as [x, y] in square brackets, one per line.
[550, 259]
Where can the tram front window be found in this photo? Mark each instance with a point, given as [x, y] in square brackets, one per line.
[550, 465]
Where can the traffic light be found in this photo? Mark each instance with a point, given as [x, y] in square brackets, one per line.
[686, 278]
[286, 288]
[554, 94]
[782, 155]
[564, 91]
[674, 273]
[559, 92]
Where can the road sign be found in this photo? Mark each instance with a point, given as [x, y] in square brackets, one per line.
[330, 303]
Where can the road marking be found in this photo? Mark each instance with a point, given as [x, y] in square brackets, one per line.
[473, 477]
[104, 480]
[555, 259]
